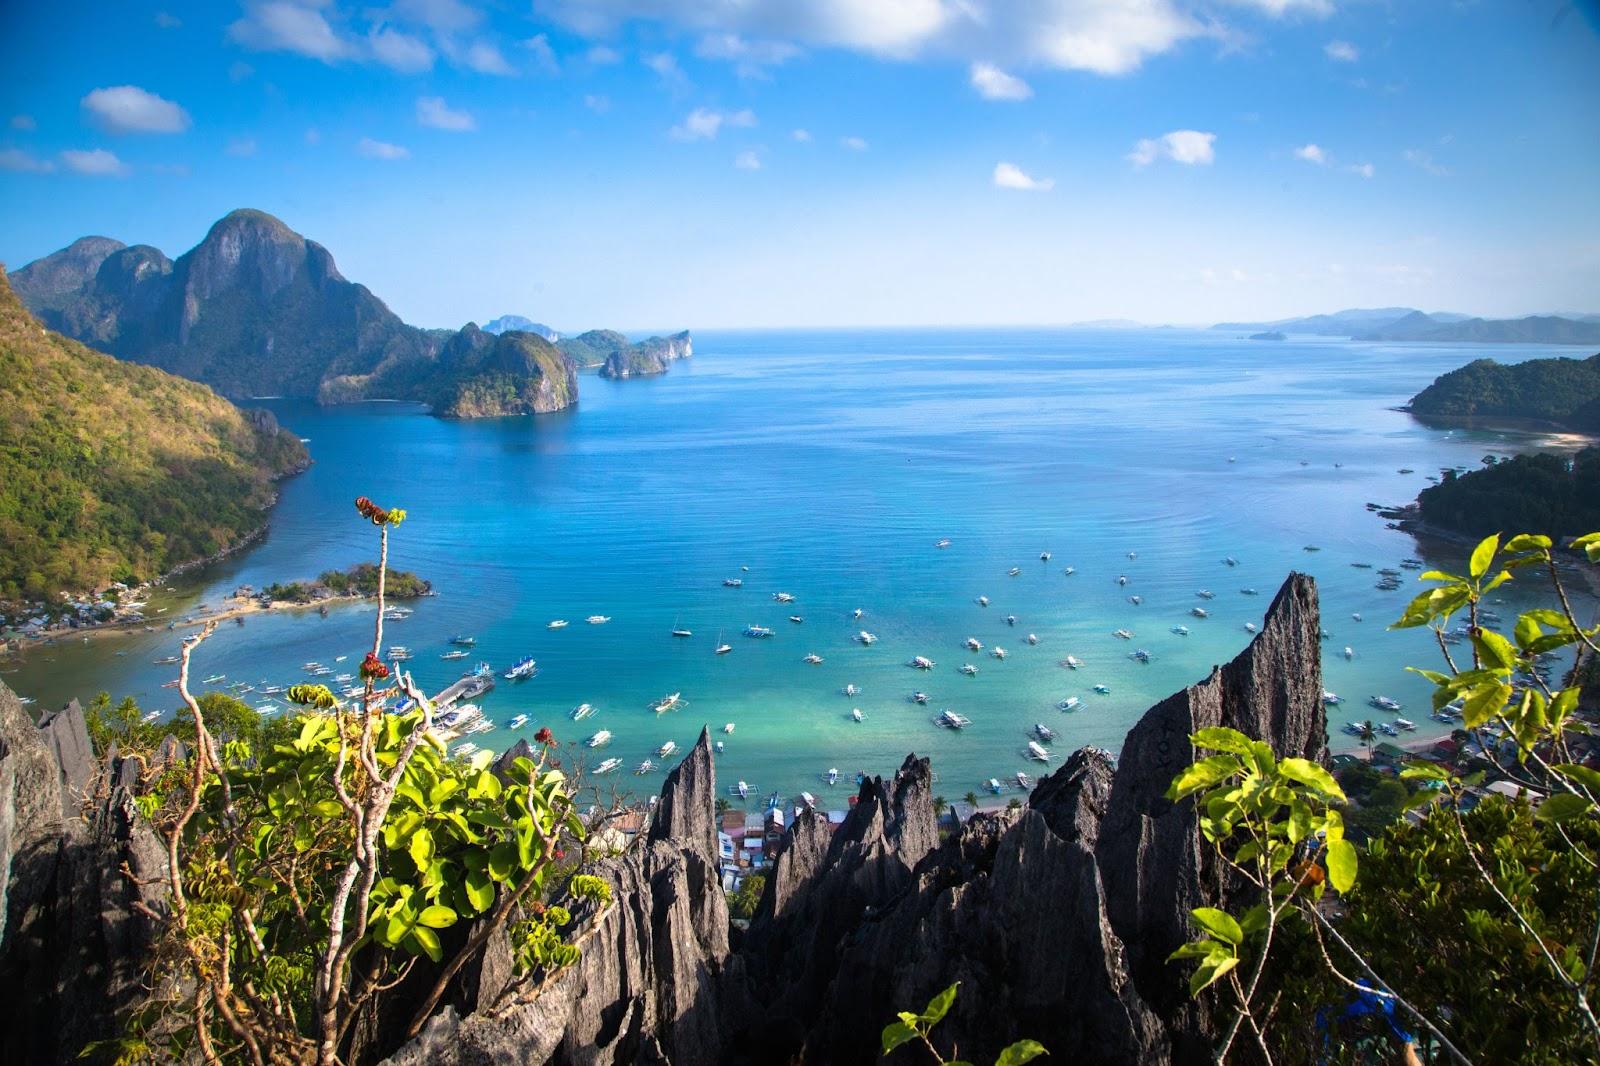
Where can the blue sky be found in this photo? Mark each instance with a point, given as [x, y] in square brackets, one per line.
[663, 163]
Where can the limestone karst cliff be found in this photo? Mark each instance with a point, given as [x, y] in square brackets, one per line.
[1057, 917]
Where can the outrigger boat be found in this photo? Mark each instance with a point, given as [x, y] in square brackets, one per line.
[866, 638]
[727, 727]
[667, 749]
[919, 697]
[518, 722]
[1069, 704]
[732, 582]
[644, 767]
[973, 644]
[1044, 732]
[1024, 782]
[668, 703]
[599, 740]
[523, 668]
[833, 775]
[608, 766]
[921, 662]
[464, 640]
[1104, 690]
[582, 711]
[783, 597]
[998, 652]
[1036, 752]
[759, 632]
[796, 619]
[814, 659]
[856, 715]
[457, 654]
[598, 619]
[952, 720]
[969, 669]
[1072, 662]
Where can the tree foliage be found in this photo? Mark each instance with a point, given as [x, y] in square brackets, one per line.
[1550, 494]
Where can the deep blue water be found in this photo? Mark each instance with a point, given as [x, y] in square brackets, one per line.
[829, 463]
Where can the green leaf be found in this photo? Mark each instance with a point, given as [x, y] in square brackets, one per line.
[1439, 575]
[1483, 702]
[1203, 774]
[1254, 920]
[1218, 923]
[895, 1034]
[1584, 776]
[421, 848]
[1199, 949]
[1312, 776]
[1020, 1052]
[1496, 650]
[1299, 821]
[939, 1005]
[1221, 738]
[480, 891]
[1527, 631]
[1562, 807]
[437, 917]
[1209, 971]
[428, 940]
[1527, 542]
[1425, 770]
[1341, 864]
[1483, 555]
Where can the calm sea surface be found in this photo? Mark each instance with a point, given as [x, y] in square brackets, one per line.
[829, 463]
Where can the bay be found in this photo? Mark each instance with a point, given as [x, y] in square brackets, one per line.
[829, 463]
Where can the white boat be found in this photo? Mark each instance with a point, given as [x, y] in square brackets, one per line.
[994, 785]
[518, 722]
[814, 659]
[1388, 730]
[464, 640]
[213, 679]
[969, 669]
[1406, 724]
[942, 543]
[1033, 638]
[1199, 612]
[783, 597]
[1122, 634]
[1069, 704]
[998, 652]
[833, 775]
[600, 739]
[582, 711]
[1024, 782]
[727, 727]
[644, 767]
[666, 703]
[866, 638]
[522, 669]
[732, 582]
[608, 766]
[983, 601]
[1356, 616]
[1011, 619]
[1230, 560]
[1014, 571]
[1136, 600]
[921, 662]
[855, 615]
[1044, 557]
[679, 631]
[742, 789]
[464, 749]
[1044, 732]
[1072, 662]
[1104, 690]
[856, 715]
[1249, 627]
[919, 697]
[757, 631]
[559, 623]
[1139, 655]
[973, 644]
[1182, 631]
[1248, 592]
[851, 690]
[458, 654]
[598, 619]
[1384, 703]
[152, 716]
[1122, 579]
[1206, 594]
[723, 649]
[1349, 652]
[952, 720]
[797, 620]
[807, 800]
[1036, 752]
[1332, 699]
[1069, 571]
[717, 747]
[667, 749]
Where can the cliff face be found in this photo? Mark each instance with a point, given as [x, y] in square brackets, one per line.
[648, 357]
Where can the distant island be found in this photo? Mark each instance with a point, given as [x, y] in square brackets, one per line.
[1560, 393]
[255, 309]
[114, 472]
[1409, 324]
[1270, 335]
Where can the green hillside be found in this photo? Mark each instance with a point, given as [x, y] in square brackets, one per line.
[1565, 392]
[115, 471]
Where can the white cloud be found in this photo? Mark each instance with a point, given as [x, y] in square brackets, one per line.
[441, 16]
[750, 58]
[24, 162]
[665, 64]
[1103, 36]
[544, 57]
[241, 147]
[1011, 176]
[485, 58]
[748, 160]
[602, 56]
[400, 51]
[1311, 154]
[993, 83]
[280, 26]
[1279, 8]
[238, 71]
[855, 144]
[1342, 51]
[23, 122]
[434, 113]
[380, 149]
[129, 109]
[1190, 147]
[702, 124]
[1366, 170]
[597, 103]
[1424, 161]
[168, 21]
[803, 136]
[97, 163]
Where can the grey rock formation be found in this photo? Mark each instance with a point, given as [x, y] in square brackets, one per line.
[651, 356]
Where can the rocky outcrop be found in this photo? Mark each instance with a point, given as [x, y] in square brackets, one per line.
[74, 939]
[648, 357]
[48, 282]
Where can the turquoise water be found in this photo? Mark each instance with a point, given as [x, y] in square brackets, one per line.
[829, 463]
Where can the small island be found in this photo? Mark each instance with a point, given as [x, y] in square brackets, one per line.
[1270, 335]
[1557, 393]
[358, 582]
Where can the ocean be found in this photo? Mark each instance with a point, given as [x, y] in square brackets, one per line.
[826, 465]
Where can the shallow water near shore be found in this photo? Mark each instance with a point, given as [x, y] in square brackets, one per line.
[829, 464]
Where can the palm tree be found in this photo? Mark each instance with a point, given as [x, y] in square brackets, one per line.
[940, 804]
[723, 806]
[1369, 736]
[971, 798]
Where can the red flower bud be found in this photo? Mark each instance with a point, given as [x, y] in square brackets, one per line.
[371, 511]
[545, 737]
[372, 668]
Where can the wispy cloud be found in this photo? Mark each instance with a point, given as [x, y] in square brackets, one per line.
[665, 64]
[15, 159]
[855, 144]
[993, 83]
[434, 113]
[1011, 176]
[1189, 147]
[1342, 51]
[380, 149]
[241, 147]
[597, 103]
[400, 51]
[167, 20]
[1364, 170]
[1424, 161]
[23, 122]
[750, 58]
[1311, 153]
[281, 26]
[602, 56]
[748, 160]
[95, 162]
[1279, 8]
[703, 124]
[801, 135]
[544, 56]
[129, 109]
